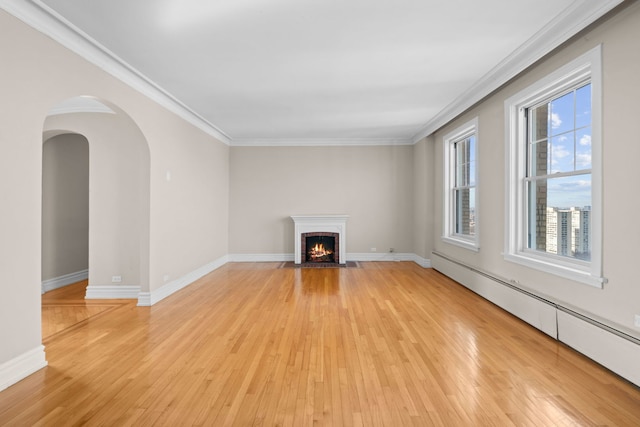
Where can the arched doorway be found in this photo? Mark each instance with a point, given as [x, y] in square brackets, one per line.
[65, 210]
[118, 180]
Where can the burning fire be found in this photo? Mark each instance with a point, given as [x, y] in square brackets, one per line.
[319, 251]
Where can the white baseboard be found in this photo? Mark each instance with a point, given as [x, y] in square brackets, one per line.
[21, 367]
[608, 349]
[147, 299]
[64, 280]
[388, 256]
[260, 257]
[422, 262]
[112, 292]
[394, 256]
[379, 256]
[603, 344]
[535, 312]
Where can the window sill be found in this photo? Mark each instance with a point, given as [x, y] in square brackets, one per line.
[566, 271]
[463, 243]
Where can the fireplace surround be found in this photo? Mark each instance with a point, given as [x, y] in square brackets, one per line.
[334, 226]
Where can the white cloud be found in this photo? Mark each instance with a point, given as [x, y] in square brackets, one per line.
[559, 151]
[561, 158]
[585, 140]
[555, 120]
[583, 160]
[575, 185]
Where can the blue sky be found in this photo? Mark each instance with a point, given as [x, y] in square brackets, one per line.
[570, 143]
[569, 191]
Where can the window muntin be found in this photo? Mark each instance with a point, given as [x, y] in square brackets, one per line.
[460, 194]
[464, 190]
[546, 154]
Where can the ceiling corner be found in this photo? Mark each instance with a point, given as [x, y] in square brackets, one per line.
[571, 21]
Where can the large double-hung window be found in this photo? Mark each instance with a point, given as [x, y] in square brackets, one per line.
[553, 183]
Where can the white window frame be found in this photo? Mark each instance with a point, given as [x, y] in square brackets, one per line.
[587, 66]
[449, 215]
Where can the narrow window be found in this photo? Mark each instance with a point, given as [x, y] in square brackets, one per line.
[460, 178]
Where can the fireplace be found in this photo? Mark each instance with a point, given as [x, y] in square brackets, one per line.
[320, 239]
[320, 247]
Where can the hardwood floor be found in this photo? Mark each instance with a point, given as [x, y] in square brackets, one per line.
[253, 344]
[65, 308]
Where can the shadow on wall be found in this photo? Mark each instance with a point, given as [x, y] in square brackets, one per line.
[65, 210]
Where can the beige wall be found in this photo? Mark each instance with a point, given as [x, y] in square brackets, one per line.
[65, 205]
[190, 213]
[618, 302]
[373, 185]
[186, 218]
[423, 198]
[223, 200]
[119, 195]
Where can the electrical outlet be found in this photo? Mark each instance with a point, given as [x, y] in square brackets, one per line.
[165, 277]
[391, 250]
[373, 249]
[637, 320]
[116, 279]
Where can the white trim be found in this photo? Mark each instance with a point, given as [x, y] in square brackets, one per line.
[608, 345]
[422, 262]
[575, 18]
[463, 243]
[319, 142]
[449, 162]
[56, 111]
[80, 104]
[42, 18]
[260, 257]
[557, 268]
[536, 312]
[610, 350]
[146, 299]
[22, 366]
[319, 223]
[380, 256]
[112, 292]
[588, 65]
[64, 280]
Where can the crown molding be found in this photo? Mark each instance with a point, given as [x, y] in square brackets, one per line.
[39, 16]
[318, 142]
[576, 17]
[572, 20]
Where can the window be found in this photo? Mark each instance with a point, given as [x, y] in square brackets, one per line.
[460, 172]
[553, 182]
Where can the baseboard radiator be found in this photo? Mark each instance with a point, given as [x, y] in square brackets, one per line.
[606, 345]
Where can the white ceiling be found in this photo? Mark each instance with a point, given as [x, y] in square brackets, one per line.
[325, 71]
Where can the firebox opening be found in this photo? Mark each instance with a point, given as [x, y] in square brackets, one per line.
[320, 249]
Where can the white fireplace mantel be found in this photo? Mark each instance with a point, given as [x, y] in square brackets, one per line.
[320, 224]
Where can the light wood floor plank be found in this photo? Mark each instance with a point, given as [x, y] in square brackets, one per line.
[253, 344]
